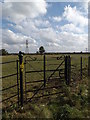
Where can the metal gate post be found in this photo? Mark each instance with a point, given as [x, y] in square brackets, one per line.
[17, 83]
[81, 68]
[88, 66]
[67, 69]
[21, 77]
[44, 71]
[65, 73]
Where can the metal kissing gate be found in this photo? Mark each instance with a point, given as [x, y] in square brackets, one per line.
[38, 70]
[35, 76]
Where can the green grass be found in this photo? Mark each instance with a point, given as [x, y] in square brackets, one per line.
[69, 105]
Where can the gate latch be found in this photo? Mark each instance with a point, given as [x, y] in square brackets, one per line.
[22, 66]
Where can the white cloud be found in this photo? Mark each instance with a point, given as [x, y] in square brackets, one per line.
[30, 27]
[48, 37]
[73, 42]
[74, 16]
[72, 28]
[26, 27]
[0, 10]
[43, 23]
[16, 12]
[62, 41]
[11, 39]
[57, 18]
[47, 34]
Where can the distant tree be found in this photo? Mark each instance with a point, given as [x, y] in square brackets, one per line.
[37, 52]
[41, 50]
[3, 52]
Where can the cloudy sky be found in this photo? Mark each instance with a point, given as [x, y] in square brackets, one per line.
[58, 26]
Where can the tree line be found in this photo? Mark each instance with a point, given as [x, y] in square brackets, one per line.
[5, 52]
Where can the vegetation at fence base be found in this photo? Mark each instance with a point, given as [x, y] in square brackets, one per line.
[74, 104]
[65, 111]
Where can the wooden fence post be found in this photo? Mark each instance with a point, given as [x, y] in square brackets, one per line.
[89, 66]
[81, 68]
[21, 77]
[44, 71]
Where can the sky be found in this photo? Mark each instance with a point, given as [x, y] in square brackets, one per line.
[58, 26]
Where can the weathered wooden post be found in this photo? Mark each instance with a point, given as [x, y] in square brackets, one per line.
[81, 68]
[89, 66]
[21, 77]
[44, 70]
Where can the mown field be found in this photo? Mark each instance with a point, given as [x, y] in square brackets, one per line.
[71, 103]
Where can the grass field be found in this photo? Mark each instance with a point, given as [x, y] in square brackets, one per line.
[73, 103]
